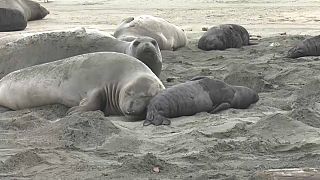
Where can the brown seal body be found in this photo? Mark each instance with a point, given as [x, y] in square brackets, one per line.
[168, 36]
[14, 14]
[224, 36]
[308, 47]
[198, 95]
[114, 83]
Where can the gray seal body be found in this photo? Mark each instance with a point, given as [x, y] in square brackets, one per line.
[224, 36]
[51, 46]
[114, 83]
[308, 47]
[14, 14]
[198, 95]
[168, 35]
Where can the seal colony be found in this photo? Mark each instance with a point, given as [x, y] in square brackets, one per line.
[201, 94]
[114, 83]
[168, 36]
[14, 14]
[52, 46]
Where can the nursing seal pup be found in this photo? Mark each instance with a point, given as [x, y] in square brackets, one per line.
[168, 36]
[201, 94]
[114, 83]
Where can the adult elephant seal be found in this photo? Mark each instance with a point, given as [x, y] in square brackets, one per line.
[224, 36]
[198, 95]
[14, 14]
[51, 46]
[114, 83]
[168, 36]
[308, 47]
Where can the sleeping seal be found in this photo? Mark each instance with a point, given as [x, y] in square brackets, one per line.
[168, 36]
[308, 47]
[224, 36]
[51, 46]
[14, 14]
[114, 83]
[201, 94]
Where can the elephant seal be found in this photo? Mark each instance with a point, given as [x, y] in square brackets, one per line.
[198, 95]
[114, 83]
[224, 36]
[14, 14]
[308, 47]
[168, 36]
[51, 46]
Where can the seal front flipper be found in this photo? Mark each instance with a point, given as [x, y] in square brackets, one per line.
[156, 119]
[4, 109]
[220, 107]
[94, 101]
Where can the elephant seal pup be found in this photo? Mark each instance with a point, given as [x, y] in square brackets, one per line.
[308, 47]
[168, 36]
[224, 36]
[114, 83]
[51, 46]
[198, 95]
[14, 14]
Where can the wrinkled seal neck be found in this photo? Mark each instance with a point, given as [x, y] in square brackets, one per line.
[113, 96]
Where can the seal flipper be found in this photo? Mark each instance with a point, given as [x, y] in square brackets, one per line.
[220, 107]
[94, 101]
[156, 119]
[127, 20]
[4, 109]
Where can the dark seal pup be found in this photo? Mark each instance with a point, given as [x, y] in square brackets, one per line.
[308, 47]
[201, 94]
[224, 36]
[14, 14]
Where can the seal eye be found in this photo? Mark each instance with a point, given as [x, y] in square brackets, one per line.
[154, 42]
[136, 43]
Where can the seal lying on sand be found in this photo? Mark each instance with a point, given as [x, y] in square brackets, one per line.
[114, 83]
[308, 47]
[224, 36]
[168, 36]
[52, 46]
[198, 95]
[14, 14]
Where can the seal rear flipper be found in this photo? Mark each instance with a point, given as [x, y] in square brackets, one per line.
[127, 20]
[220, 107]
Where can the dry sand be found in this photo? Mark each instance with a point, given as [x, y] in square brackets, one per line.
[280, 131]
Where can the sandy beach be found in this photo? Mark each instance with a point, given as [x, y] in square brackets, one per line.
[280, 131]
